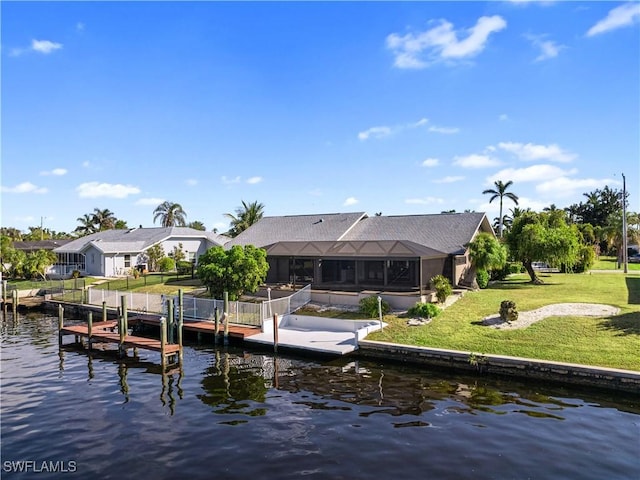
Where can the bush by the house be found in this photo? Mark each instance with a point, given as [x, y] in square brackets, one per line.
[184, 267]
[424, 310]
[369, 306]
[442, 286]
[166, 264]
[508, 311]
[482, 277]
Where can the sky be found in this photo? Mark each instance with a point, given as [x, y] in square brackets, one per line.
[313, 107]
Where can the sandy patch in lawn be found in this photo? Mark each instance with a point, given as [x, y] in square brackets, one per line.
[557, 310]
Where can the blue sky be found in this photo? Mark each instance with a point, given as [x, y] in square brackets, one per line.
[399, 108]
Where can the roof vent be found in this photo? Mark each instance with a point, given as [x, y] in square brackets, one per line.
[319, 221]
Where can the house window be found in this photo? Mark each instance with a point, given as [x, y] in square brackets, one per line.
[401, 272]
[127, 261]
[338, 271]
[371, 272]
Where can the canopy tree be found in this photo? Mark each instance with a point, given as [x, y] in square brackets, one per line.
[170, 214]
[486, 252]
[500, 192]
[236, 271]
[37, 263]
[542, 237]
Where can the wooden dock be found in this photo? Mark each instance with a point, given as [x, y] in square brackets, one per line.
[236, 331]
[107, 332]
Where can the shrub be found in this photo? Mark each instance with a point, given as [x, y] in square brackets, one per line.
[482, 277]
[586, 259]
[135, 273]
[184, 267]
[508, 311]
[442, 286]
[424, 310]
[166, 264]
[369, 306]
[75, 274]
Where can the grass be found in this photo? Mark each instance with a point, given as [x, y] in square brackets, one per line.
[611, 263]
[608, 342]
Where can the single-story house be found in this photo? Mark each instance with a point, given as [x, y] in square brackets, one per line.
[115, 252]
[353, 252]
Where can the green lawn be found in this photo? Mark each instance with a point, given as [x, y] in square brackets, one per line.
[610, 342]
[611, 263]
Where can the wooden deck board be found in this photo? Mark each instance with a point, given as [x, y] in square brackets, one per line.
[130, 341]
[239, 331]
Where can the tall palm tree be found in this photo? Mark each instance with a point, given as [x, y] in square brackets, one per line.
[104, 219]
[86, 226]
[170, 214]
[245, 216]
[500, 192]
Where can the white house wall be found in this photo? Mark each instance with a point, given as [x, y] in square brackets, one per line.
[94, 263]
[189, 245]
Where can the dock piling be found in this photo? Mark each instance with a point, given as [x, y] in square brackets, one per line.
[104, 311]
[275, 333]
[14, 303]
[217, 324]
[90, 327]
[60, 322]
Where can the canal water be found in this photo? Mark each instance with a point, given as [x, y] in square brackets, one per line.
[240, 414]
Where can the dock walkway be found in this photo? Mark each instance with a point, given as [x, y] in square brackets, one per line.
[234, 330]
[106, 332]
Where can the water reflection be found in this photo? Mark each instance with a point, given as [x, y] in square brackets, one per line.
[171, 379]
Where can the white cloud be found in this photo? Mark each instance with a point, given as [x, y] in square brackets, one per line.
[441, 42]
[55, 172]
[476, 161]
[44, 46]
[564, 187]
[444, 130]
[109, 190]
[534, 173]
[385, 131]
[503, 117]
[350, 201]
[621, 16]
[154, 202]
[254, 180]
[86, 164]
[430, 162]
[449, 179]
[230, 181]
[24, 187]
[80, 27]
[192, 182]
[375, 132]
[532, 152]
[424, 201]
[548, 48]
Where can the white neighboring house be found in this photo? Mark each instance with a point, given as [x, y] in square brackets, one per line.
[113, 253]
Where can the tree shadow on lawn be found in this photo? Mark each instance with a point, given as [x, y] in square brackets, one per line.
[520, 284]
[633, 289]
[625, 324]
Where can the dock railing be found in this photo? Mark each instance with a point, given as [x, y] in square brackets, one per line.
[203, 309]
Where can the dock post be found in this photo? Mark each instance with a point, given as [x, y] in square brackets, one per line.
[217, 324]
[125, 313]
[170, 316]
[14, 304]
[121, 328]
[90, 326]
[60, 322]
[275, 333]
[225, 317]
[4, 292]
[225, 321]
[104, 311]
[163, 338]
[180, 321]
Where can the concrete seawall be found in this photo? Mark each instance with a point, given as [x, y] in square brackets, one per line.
[567, 373]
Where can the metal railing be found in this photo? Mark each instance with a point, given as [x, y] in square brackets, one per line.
[194, 308]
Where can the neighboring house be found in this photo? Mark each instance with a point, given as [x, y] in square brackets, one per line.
[355, 252]
[34, 246]
[115, 252]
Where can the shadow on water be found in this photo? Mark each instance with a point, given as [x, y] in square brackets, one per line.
[633, 289]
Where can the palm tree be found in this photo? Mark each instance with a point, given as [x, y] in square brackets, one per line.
[171, 214]
[86, 226]
[245, 216]
[197, 225]
[501, 192]
[104, 219]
